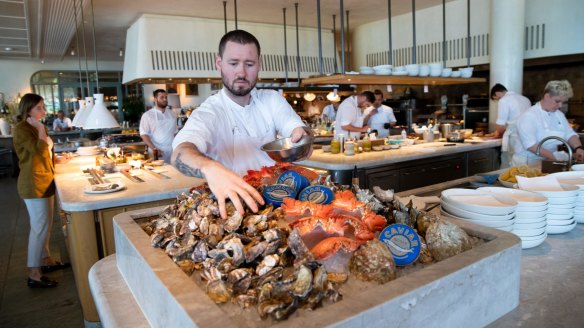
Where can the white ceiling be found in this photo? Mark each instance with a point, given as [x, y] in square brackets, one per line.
[45, 29]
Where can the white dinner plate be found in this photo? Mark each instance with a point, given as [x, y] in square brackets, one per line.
[450, 208]
[569, 205]
[104, 188]
[479, 201]
[528, 232]
[505, 224]
[529, 226]
[560, 211]
[536, 220]
[562, 200]
[523, 197]
[553, 229]
[579, 219]
[530, 215]
[568, 191]
[524, 208]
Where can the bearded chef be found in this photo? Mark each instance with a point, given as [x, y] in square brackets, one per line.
[222, 139]
[158, 127]
[542, 120]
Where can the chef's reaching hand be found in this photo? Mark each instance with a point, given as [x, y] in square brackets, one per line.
[224, 183]
[299, 132]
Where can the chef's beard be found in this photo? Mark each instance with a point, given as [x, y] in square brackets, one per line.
[162, 104]
[240, 91]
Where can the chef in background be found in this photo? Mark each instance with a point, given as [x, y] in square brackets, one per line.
[329, 112]
[158, 127]
[384, 119]
[510, 106]
[350, 119]
[61, 123]
[544, 119]
[222, 139]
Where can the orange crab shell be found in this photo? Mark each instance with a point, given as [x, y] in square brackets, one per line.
[332, 245]
[294, 209]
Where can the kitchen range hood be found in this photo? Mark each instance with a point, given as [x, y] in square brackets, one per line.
[162, 47]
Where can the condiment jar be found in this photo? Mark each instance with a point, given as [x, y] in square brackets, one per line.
[335, 146]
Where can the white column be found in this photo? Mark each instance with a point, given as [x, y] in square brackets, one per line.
[507, 43]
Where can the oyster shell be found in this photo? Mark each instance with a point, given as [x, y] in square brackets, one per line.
[218, 292]
[446, 239]
[254, 249]
[373, 262]
[267, 264]
[240, 280]
[303, 283]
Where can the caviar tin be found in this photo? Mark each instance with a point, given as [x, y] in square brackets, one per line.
[294, 180]
[316, 194]
[275, 194]
[403, 243]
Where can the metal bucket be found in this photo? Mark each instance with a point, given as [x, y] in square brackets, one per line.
[446, 129]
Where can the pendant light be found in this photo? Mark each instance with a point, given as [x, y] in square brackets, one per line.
[99, 117]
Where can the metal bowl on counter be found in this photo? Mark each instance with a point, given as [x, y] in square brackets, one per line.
[284, 150]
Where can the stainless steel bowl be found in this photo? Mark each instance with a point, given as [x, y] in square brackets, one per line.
[284, 150]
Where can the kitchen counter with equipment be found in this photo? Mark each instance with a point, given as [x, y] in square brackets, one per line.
[411, 166]
[87, 212]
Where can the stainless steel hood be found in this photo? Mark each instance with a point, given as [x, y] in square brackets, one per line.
[163, 47]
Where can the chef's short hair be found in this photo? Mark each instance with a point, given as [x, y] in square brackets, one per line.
[561, 88]
[368, 95]
[497, 88]
[157, 91]
[238, 36]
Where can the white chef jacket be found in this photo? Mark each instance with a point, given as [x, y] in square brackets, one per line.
[61, 124]
[349, 113]
[232, 134]
[161, 128]
[536, 124]
[329, 111]
[384, 115]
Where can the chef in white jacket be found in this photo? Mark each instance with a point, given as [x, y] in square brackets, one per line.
[350, 120]
[158, 127]
[510, 106]
[384, 119]
[544, 119]
[222, 138]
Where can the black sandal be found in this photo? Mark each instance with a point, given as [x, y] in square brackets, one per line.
[57, 266]
[43, 283]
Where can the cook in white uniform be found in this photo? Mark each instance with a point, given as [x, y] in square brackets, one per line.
[158, 127]
[510, 105]
[350, 119]
[329, 112]
[61, 123]
[544, 120]
[222, 138]
[384, 119]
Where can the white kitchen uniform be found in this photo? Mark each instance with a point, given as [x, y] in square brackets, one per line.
[384, 115]
[349, 113]
[533, 126]
[161, 128]
[510, 106]
[329, 111]
[61, 123]
[232, 134]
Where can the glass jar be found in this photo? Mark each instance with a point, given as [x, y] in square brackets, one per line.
[335, 146]
[366, 144]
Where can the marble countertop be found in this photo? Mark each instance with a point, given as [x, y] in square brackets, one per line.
[322, 160]
[71, 183]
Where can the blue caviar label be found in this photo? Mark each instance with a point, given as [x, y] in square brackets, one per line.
[294, 180]
[275, 194]
[316, 194]
[403, 243]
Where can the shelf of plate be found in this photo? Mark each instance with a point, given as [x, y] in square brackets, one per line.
[389, 79]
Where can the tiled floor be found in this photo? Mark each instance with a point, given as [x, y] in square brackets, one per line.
[21, 306]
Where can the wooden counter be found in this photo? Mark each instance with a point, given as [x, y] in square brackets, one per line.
[88, 217]
[412, 166]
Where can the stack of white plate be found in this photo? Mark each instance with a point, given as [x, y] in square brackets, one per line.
[479, 207]
[574, 178]
[88, 151]
[560, 213]
[530, 214]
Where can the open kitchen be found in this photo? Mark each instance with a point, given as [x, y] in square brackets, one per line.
[319, 163]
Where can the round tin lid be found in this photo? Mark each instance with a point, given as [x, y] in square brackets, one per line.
[316, 194]
[275, 194]
[403, 243]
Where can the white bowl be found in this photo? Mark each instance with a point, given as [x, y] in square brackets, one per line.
[529, 226]
[452, 209]
[531, 243]
[570, 205]
[487, 223]
[578, 167]
[383, 67]
[531, 216]
[579, 219]
[529, 232]
[560, 211]
[526, 208]
[435, 66]
[553, 229]
[562, 201]
[465, 74]
[559, 217]
[455, 74]
[479, 201]
[568, 191]
[523, 197]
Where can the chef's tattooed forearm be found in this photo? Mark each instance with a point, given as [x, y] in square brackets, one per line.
[186, 169]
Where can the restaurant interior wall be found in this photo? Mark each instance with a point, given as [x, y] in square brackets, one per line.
[561, 20]
[186, 101]
[191, 49]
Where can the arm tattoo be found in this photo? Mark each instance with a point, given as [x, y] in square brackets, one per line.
[186, 169]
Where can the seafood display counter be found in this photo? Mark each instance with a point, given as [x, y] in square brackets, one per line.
[87, 217]
[473, 288]
[410, 167]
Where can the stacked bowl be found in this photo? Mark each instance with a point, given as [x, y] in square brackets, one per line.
[435, 69]
[561, 203]
[479, 207]
[424, 70]
[382, 69]
[366, 70]
[530, 215]
[413, 69]
[574, 178]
